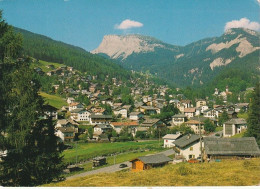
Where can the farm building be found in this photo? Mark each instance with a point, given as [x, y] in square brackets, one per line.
[147, 162]
[169, 138]
[225, 148]
[188, 146]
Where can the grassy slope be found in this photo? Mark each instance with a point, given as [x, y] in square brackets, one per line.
[86, 151]
[225, 173]
[42, 64]
[54, 100]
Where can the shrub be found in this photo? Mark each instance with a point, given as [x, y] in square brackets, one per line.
[183, 170]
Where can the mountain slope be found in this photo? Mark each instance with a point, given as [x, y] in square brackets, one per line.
[45, 48]
[194, 64]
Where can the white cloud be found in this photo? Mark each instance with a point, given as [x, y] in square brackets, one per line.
[127, 24]
[258, 1]
[243, 23]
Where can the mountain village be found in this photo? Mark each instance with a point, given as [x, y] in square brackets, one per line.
[138, 120]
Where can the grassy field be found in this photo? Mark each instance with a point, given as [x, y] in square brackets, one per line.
[240, 135]
[242, 115]
[111, 160]
[224, 173]
[86, 151]
[219, 129]
[54, 100]
[42, 64]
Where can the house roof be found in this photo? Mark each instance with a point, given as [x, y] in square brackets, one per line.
[186, 140]
[231, 146]
[77, 110]
[66, 129]
[101, 116]
[189, 110]
[150, 122]
[103, 126]
[153, 159]
[194, 122]
[179, 116]
[148, 108]
[122, 124]
[236, 121]
[135, 113]
[172, 136]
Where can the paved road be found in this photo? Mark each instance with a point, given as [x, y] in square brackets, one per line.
[113, 168]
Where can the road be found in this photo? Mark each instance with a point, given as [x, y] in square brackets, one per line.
[113, 168]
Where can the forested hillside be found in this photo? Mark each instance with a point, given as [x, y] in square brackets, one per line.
[45, 48]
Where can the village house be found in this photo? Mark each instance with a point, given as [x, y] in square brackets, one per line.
[234, 126]
[200, 103]
[3, 153]
[178, 119]
[226, 148]
[188, 146]
[100, 132]
[189, 112]
[186, 103]
[241, 107]
[75, 105]
[80, 115]
[50, 111]
[100, 119]
[136, 116]
[211, 113]
[120, 111]
[70, 100]
[194, 125]
[132, 126]
[66, 134]
[98, 110]
[148, 162]
[152, 123]
[67, 123]
[148, 110]
[169, 139]
[204, 108]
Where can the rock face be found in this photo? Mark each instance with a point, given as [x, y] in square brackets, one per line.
[121, 46]
[192, 64]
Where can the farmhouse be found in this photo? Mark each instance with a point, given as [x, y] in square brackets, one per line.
[131, 126]
[224, 148]
[234, 126]
[100, 119]
[189, 112]
[155, 123]
[188, 146]
[50, 111]
[169, 138]
[147, 162]
[136, 116]
[66, 134]
[178, 119]
[194, 125]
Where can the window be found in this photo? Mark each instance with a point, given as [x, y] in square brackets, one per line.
[191, 148]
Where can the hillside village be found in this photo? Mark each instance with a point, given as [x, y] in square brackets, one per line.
[109, 118]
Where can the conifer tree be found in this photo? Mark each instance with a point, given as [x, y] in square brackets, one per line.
[253, 121]
[33, 154]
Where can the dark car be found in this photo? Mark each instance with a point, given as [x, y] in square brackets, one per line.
[122, 165]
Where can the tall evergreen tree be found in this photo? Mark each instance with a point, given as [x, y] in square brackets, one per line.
[33, 154]
[253, 121]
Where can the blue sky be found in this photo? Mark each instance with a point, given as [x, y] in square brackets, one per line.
[84, 22]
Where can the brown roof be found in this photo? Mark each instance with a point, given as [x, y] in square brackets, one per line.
[132, 123]
[194, 122]
[189, 110]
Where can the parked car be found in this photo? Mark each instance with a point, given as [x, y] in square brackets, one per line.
[193, 161]
[122, 165]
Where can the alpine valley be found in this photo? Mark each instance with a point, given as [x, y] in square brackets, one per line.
[198, 63]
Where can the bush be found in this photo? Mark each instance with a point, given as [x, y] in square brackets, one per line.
[183, 170]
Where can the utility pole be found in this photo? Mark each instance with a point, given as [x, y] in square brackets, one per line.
[200, 140]
[76, 153]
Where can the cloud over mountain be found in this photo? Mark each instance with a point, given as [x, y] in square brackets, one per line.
[242, 23]
[127, 24]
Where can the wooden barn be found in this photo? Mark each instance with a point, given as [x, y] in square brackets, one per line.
[231, 148]
[147, 162]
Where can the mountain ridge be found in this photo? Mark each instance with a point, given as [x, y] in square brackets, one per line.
[195, 63]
